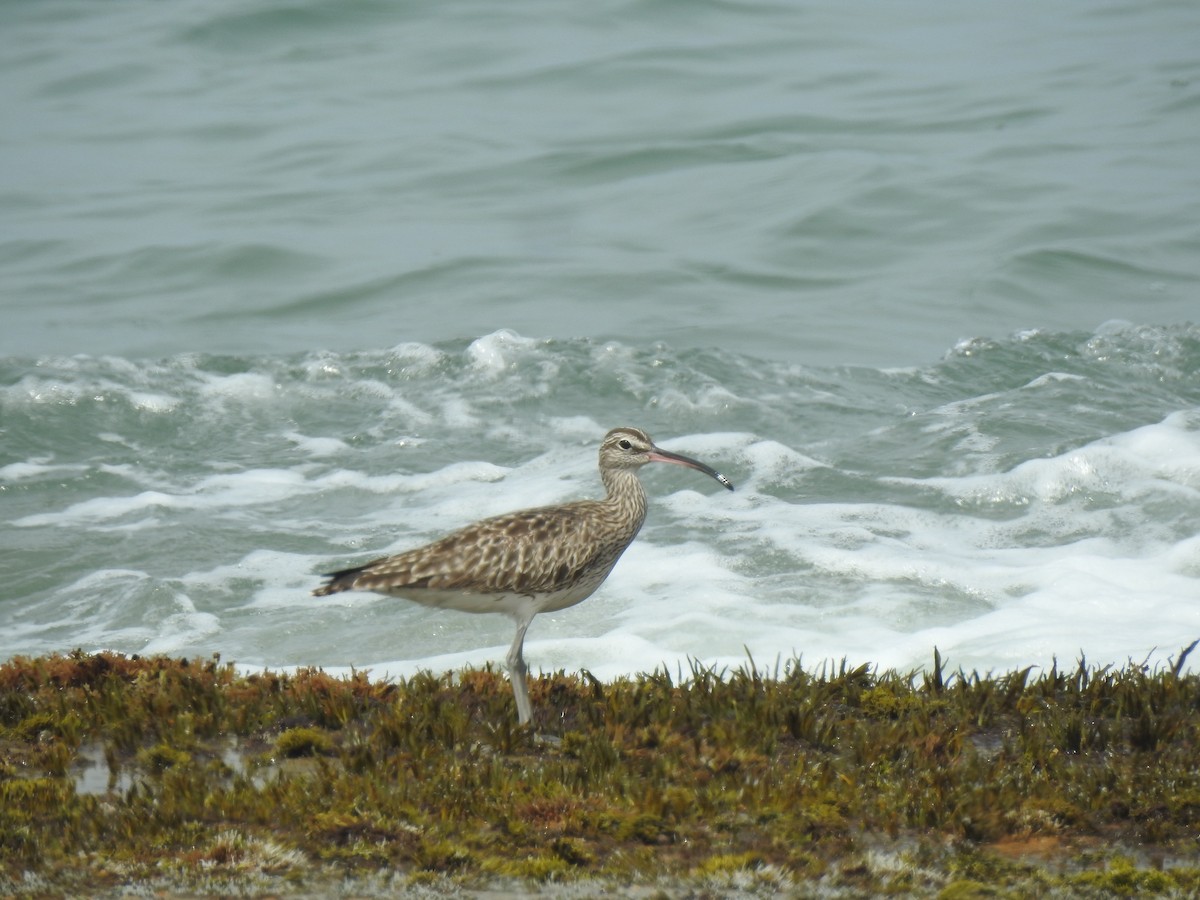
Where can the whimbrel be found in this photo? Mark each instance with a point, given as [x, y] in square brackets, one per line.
[527, 562]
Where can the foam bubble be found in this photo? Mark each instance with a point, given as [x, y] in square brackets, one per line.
[240, 386]
[34, 468]
[494, 353]
[316, 446]
[417, 358]
[151, 402]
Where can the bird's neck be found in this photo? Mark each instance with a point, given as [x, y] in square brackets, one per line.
[626, 495]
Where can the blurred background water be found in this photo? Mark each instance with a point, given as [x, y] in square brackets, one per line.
[283, 286]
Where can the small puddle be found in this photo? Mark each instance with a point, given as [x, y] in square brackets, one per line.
[93, 775]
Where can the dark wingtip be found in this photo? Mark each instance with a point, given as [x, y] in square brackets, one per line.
[338, 582]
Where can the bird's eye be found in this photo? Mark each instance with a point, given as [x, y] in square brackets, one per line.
[624, 445]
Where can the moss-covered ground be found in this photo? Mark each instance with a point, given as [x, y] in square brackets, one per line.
[168, 777]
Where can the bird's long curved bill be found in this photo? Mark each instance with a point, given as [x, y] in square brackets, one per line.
[666, 456]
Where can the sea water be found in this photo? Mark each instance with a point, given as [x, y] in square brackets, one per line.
[286, 287]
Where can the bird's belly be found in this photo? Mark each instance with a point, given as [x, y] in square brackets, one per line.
[506, 603]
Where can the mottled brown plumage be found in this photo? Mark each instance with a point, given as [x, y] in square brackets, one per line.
[527, 562]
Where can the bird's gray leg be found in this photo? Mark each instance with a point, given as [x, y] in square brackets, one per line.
[516, 672]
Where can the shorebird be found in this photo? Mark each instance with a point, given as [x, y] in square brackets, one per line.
[527, 562]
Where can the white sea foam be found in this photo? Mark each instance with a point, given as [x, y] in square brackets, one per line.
[151, 402]
[124, 608]
[101, 508]
[216, 491]
[240, 386]
[1090, 549]
[38, 391]
[33, 468]
[1162, 457]
[179, 631]
[316, 446]
[576, 427]
[495, 352]
[417, 357]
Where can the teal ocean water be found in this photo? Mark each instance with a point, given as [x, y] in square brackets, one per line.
[288, 286]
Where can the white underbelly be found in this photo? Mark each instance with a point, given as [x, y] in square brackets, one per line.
[509, 604]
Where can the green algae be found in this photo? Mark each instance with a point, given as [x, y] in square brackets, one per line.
[1074, 782]
[303, 742]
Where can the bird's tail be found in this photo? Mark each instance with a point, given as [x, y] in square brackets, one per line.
[339, 581]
